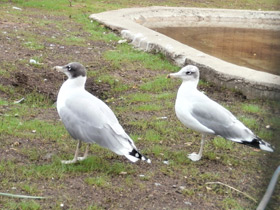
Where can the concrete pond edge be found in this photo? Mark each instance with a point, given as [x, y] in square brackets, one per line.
[133, 24]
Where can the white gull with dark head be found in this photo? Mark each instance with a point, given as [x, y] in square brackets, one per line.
[90, 120]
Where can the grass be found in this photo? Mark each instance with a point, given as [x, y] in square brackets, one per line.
[223, 144]
[158, 84]
[100, 181]
[23, 205]
[32, 147]
[139, 97]
[251, 108]
[125, 54]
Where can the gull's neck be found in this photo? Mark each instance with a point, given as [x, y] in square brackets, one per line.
[188, 87]
[70, 87]
[78, 82]
[192, 85]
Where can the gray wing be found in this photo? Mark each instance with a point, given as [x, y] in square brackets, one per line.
[220, 120]
[91, 120]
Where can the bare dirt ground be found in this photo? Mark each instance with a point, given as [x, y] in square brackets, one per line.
[139, 193]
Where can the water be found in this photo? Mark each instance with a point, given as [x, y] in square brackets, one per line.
[253, 48]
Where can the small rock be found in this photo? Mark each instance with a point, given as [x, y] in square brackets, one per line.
[48, 156]
[188, 203]
[32, 61]
[19, 101]
[161, 118]
[166, 162]
[182, 187]
[122, 41]
[123, 173]
[17, 8]
[15, 144]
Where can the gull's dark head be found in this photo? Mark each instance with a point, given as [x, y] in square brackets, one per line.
[187, 73]
[72, 70]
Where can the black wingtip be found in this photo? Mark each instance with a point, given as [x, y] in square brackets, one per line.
[138, 155]
[259, 144]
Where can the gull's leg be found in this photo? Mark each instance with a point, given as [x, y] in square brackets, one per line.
[85, 154]
[194, 156]
[75, 156]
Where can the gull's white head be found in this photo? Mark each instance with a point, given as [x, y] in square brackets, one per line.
[187, 73]
[72, 70]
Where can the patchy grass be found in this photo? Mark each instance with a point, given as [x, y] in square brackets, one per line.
[158, 84]
[125, 54]
[251, 108]
[33, 141]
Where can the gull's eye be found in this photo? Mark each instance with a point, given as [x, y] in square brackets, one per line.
[188, 73]
[68, 68]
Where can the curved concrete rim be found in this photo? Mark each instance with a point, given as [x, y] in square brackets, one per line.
[133, 23]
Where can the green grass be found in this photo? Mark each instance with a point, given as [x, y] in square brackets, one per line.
[221, 143]
[116, 84]
[33, 45]
[138, 106]
[231, 203]
[249, 122]
[251, 108]
[100, 181]
[152, 135]
[139, 97]
[125, 54]
[23, 205]
[75, 40]
[147, 108]
[158, 84]
[7, 89]
[32, 129]
[94, 207]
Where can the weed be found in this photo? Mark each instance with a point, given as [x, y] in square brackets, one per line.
[147, 107]
[249, 122]
[125, 54]
[221, 143]
[94, 207]
[33, 45]
[23, 205]
[159, 84]
[139, 97]
[7, 89]
[100, 181]
[75, 40]
[30, 189]
[152, 135]
[230, 203]
[3, 102]
[188, 192]
[251, 108]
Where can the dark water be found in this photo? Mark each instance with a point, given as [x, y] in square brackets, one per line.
[253, 48]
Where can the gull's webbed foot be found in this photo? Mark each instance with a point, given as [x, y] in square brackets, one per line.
[194, 156]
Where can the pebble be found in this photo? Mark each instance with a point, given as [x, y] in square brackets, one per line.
[166, 162]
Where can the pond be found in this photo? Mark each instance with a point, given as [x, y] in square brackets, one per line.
[254, 48]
